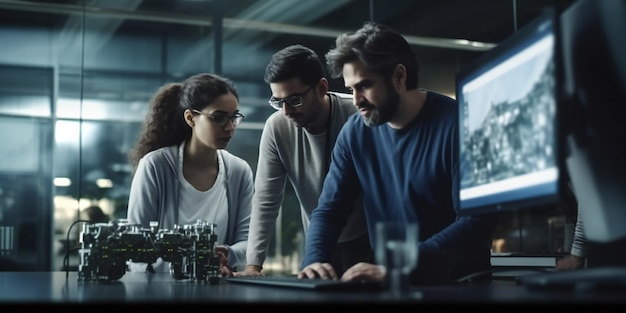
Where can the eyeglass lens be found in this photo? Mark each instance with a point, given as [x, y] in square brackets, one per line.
[292, 101]
[222, 119]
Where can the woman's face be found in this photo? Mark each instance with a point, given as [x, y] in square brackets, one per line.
[206, 128]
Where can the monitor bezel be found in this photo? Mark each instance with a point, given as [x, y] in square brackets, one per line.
[490, 58]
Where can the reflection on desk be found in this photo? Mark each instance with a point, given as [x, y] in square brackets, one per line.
[155, 288]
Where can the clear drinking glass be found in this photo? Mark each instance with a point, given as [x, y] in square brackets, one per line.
[396, 250]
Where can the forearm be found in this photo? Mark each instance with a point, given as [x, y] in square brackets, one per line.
[262, 225]
[463, 234]
[579, 245]
[321, 238]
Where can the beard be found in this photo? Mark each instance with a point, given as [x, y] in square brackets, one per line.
[385, 110]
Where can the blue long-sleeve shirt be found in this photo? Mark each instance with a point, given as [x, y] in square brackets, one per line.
[406, 175]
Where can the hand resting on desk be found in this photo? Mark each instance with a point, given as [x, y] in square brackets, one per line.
[250, 270]
[434, 268]
[222, 252]
[318, 270]
[570, 262]
[358, 272]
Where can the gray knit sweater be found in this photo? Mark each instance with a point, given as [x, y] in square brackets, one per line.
[288, 152]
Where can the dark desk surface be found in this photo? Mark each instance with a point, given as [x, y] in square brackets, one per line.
[135, 288]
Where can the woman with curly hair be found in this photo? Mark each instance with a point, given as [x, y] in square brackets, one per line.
[182, 171]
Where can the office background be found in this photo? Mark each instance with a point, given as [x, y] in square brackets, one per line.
[76, 78]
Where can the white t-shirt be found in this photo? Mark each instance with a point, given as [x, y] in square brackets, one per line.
[210, 206]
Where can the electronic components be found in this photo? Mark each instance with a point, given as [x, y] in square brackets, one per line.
[106, 247]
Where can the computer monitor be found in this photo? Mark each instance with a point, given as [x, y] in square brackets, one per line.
[546, 105]
[510, 153]
[594, 110]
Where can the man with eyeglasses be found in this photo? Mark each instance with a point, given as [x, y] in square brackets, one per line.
[296, 144]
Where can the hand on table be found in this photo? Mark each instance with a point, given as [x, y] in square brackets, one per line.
[250, 270]
[222, 252]
[570, 262]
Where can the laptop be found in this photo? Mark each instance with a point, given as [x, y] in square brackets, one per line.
[292, 281]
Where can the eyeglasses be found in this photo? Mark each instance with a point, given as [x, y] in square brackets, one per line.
[222, 119]
[293, 101]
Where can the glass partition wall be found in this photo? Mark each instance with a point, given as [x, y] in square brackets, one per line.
[76, 78]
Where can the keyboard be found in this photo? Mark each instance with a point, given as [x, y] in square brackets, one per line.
[612, 277]
[293, 281]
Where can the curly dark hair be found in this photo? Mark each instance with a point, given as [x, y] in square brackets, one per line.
[165, 124]
[379, 48]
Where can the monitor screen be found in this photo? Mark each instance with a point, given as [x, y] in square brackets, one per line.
[508, 125]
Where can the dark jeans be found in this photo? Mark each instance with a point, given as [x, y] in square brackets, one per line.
[346, 254]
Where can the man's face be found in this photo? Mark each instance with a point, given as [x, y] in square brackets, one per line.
[374, 96]
[299, 102]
